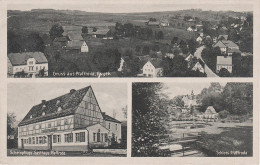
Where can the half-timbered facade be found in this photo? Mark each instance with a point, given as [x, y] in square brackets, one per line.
[72, 122]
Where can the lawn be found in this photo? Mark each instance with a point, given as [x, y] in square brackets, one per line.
[233, 141]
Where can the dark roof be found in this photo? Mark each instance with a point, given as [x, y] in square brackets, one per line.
[156, 62]
[74, 44]
[75, 36]
[60, 39]
[109, 118]
[21, 58]
[68, 102]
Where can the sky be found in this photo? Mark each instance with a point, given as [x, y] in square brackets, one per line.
[127, 6]
[175, 89]
[23, 96]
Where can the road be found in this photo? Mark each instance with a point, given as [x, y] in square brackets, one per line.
[208, 71]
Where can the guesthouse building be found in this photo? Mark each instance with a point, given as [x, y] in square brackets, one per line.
[71, 122]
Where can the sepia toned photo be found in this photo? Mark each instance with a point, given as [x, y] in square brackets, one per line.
[124, 40]
[192, 119]
[67, 120]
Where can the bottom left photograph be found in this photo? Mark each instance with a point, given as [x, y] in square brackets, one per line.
[67, 119]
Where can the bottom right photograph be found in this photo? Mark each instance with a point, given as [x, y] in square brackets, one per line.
[203, 119]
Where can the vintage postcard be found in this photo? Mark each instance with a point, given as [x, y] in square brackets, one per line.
[129, 82]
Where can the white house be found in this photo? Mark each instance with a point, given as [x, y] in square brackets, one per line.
[199, 39]
[71, 122]
[199, 66]
[78, 46]
[29, 62]
[190, 29]
[152, 68]
[224, 62]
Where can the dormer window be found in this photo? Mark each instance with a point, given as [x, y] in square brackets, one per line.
[59, 109]
[43, 113]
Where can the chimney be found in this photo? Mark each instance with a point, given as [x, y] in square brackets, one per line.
[43, 101]
[72, 90]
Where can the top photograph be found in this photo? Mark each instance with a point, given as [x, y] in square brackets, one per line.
[140, 39]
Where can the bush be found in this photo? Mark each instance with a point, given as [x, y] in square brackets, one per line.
[223, 114]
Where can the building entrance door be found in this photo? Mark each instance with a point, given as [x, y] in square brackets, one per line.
[22, 144]
[50, 142]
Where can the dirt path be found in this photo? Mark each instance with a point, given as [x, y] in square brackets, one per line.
[208, 71]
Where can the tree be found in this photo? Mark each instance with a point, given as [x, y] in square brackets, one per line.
[176, 67]
[174, 40]
[84, 30]
[156, 48]
[192, 45]
[108, 60]
[177, 101]
[152, 19]
[125, 112]
[146, 50]
[148, 120]
[160, 35]
[138, 49]
[94, 29]
[129, 30]
[209, 55]
[56, 31]
[41, 72]
[238, 98]
[11, 119]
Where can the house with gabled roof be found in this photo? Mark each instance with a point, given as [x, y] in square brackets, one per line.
[152, 68]
[224, 45]
[75, 36]
[77, 46]
[71, 122]
[31, 63]
[223, 37]
[224, 62]
[199, 66]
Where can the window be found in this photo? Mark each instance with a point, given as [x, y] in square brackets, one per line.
[116, 126]
[102, 137]
[30, 140]
[94, 137]
[49, 125]
[109, 125]
[106, 137]
[54, 138]
[43, 113]
[69, 137]
[58, 122]
[33, 140]
[58, 138]
[44, 139]
[37, 140]
[40, 140]
[98, 137]
[80, 137]
[66, 122]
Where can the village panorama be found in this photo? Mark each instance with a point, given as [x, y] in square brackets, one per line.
[192, 119]
[181, 43]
